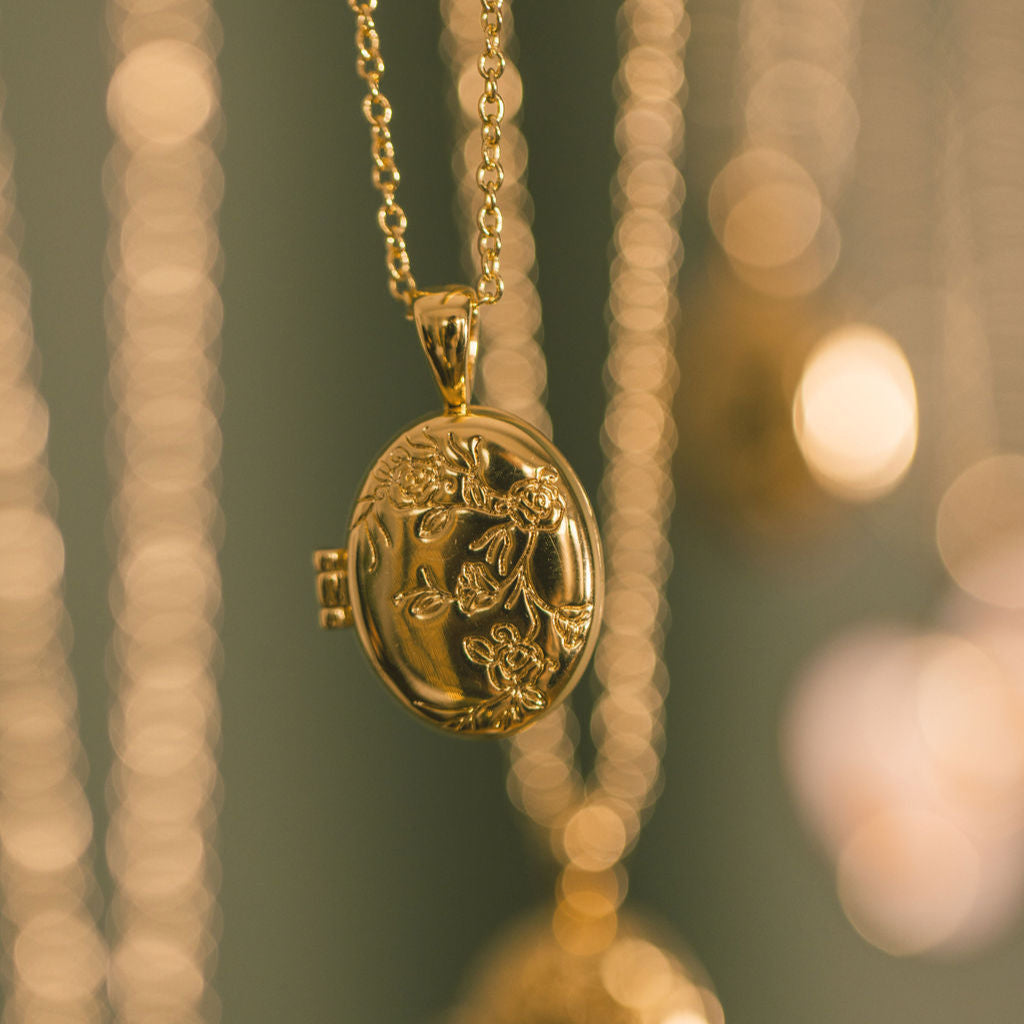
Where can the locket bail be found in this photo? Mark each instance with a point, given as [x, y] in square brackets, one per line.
[447, 322]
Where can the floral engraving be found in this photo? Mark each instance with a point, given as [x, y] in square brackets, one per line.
[435, 480]
[536, 504]
[514, 668]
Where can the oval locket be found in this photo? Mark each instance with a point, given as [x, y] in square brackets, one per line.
[473, 570]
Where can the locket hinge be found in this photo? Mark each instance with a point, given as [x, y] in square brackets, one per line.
[332, 588]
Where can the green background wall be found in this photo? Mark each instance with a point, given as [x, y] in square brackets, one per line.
[366, 860]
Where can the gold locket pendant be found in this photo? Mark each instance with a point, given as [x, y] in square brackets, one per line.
[473, 572]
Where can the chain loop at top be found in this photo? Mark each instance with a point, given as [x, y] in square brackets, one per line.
[391, 217]
[490, 175]
[377, 110]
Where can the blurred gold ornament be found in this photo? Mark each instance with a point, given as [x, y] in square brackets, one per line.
[741, 354]
[473, 569]
[530, 977]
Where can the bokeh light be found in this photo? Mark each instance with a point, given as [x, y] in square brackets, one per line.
[855, 413]
[772, 204]
[765, 209]
[980, 530]
[163, 186]
[906, 755]
[907, 880]
[54, 958]
[544, 780]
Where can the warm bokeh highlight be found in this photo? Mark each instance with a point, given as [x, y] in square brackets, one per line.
[906, 753]
[54, 959]
[855, 413]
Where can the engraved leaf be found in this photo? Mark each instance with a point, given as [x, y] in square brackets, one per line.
[463, 452]
[498, 542]
[515, 592]
[385, 536]
[572, 623]
[501, 547]
[478, 650]
[433, 524]
[428, 603]
[485, 538]
[427, 447]
[462, 722]
[532, 698]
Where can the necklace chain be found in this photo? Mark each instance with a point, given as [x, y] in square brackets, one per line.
[377, 109]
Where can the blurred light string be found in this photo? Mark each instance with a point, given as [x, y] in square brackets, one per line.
[591, 825]
[54, 959]
[981, 516]
[772, 206]
[983, 226]
[889, 223]
[163, 186]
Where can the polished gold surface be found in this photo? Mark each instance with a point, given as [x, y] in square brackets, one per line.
[447, 325]
[475, 572]
[490, 107]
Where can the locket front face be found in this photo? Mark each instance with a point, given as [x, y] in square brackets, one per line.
[475, 574]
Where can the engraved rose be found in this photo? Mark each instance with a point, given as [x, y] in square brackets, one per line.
[536, 504]
[513, 665]
[415, 481]
[476, 589]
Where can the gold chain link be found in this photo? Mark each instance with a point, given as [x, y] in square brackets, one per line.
[490, 175]
[377, 109]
